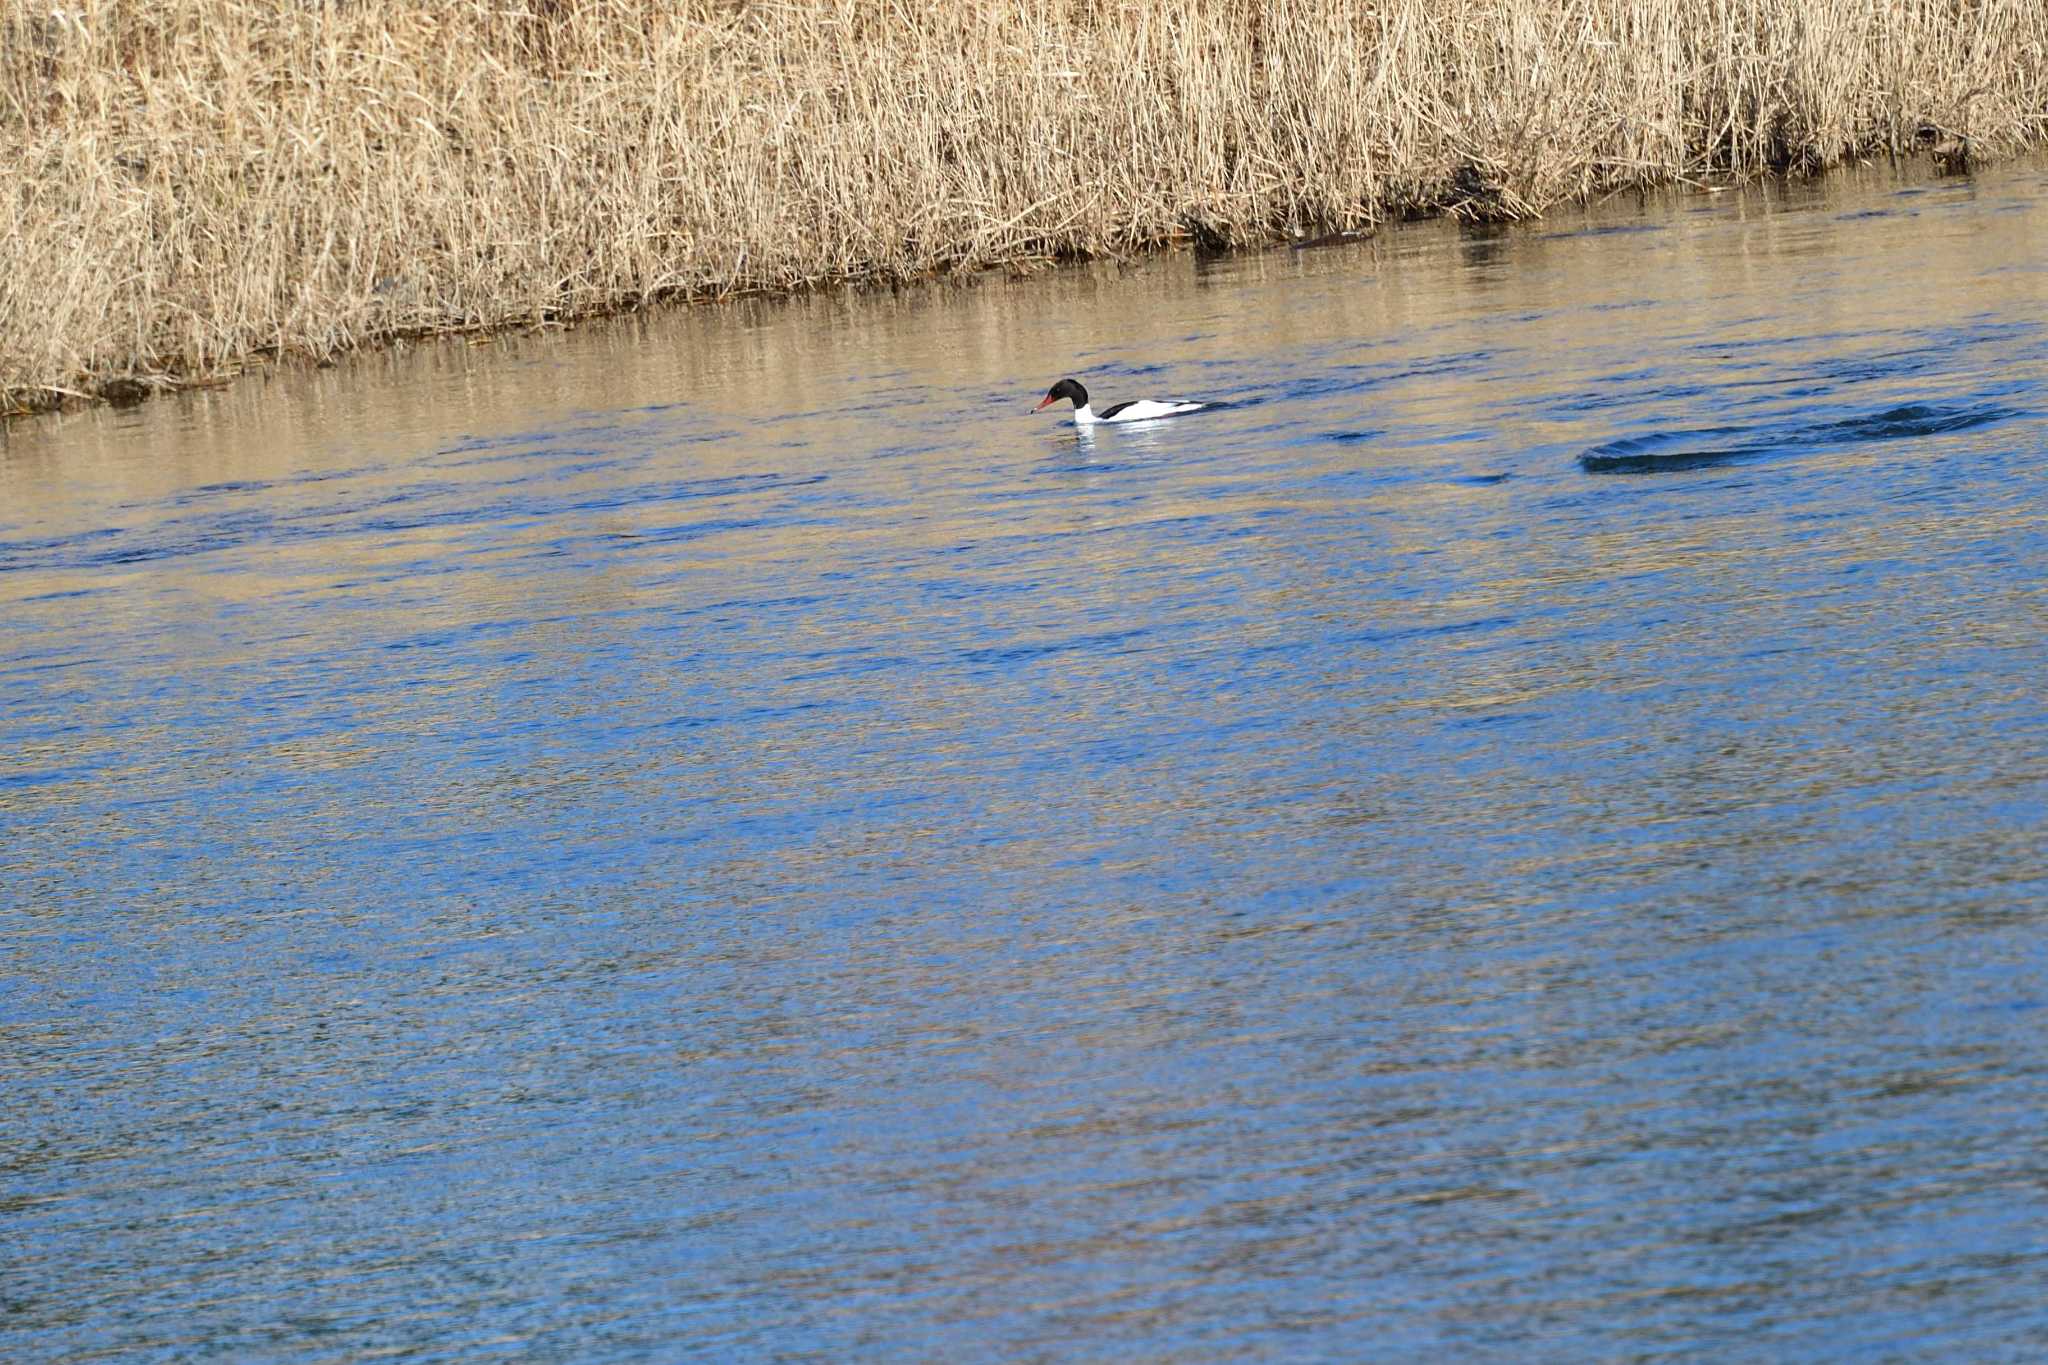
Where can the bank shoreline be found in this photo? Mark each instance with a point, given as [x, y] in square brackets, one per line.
[210, 186]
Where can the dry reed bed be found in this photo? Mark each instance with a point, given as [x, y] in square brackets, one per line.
[200, 182]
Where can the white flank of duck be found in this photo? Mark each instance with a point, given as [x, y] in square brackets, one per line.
[1143, 410]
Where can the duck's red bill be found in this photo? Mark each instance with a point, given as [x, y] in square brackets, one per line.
[1044, 403]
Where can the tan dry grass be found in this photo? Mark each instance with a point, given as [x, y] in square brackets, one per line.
[197, 182]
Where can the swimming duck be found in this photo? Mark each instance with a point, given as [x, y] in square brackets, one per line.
[1141, 410]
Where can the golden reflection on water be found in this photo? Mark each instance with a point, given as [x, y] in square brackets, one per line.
[1420, 291]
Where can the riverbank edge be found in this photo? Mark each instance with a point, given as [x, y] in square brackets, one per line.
[1469, 199]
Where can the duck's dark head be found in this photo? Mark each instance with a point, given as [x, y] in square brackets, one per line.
[1066, 388]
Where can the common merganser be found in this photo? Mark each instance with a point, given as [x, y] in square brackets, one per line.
[1143, 410]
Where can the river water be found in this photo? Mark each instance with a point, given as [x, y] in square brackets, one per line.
[721, 835]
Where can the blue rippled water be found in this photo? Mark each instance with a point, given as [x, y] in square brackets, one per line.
[1519, 836]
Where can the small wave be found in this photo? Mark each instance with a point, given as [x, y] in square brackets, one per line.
[1603, 230]
[425, 504]
[1695, 449]
[1914, 419]
[1669, 450]
[997, 656]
